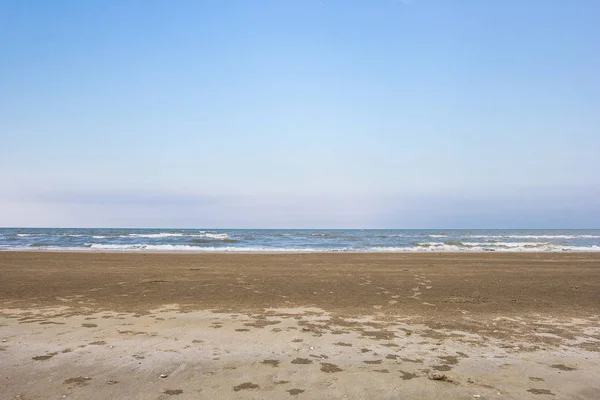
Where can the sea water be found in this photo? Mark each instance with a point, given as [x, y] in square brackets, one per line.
[299, 240]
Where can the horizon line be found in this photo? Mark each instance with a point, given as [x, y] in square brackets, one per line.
[312, 229]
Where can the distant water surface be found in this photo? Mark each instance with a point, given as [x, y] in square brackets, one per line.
[299, 240]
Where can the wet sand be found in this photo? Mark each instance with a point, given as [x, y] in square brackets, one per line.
[278, 326]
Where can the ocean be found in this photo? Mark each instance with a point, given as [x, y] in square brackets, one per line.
[299, 240]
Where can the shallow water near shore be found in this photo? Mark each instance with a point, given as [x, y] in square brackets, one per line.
[299, 240]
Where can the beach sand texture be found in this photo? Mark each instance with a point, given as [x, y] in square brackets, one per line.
[313, 326]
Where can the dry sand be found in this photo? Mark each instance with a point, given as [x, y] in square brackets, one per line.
[312, 326]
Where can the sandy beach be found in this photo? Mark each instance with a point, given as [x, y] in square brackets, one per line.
[313, 326]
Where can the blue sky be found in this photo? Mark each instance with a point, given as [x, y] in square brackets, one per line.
[383, 113]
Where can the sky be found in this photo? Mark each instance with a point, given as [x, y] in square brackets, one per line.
[300, 114]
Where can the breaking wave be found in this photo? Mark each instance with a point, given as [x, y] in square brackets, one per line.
[301, 240]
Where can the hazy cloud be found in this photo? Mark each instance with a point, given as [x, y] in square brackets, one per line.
[142, 198]
[575, 208]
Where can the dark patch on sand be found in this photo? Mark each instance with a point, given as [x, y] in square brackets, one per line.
[406, 376]
[301, 361]
[261, 323]
[133, 333]
[451, 360]
[343, 344]
[418, 360]
[379, 335]
[563, 367]
[535, 379]
[173, 391]
[391, 356]
[372, 362]
[590, 346]
[89, 325]
[245, 386]
[44, 357]
[443, 367]
[330, 368]
[281, 382]
[541, 391]
[383, 371]
[242, 330]
[315, 329]
[295, 392]
[272, 363]
[111, 382]
[99, 343]
[338, 332]
[78, 381]
[197, 341]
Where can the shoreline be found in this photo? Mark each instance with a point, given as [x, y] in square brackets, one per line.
[283, 251]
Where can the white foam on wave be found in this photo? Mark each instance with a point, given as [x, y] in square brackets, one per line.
[155, 235]
[198, 249]
[202, 234]
[500, 247]
[127, 247]
[422, 248]
[533, 236]
[219, 236]
[489, 244]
